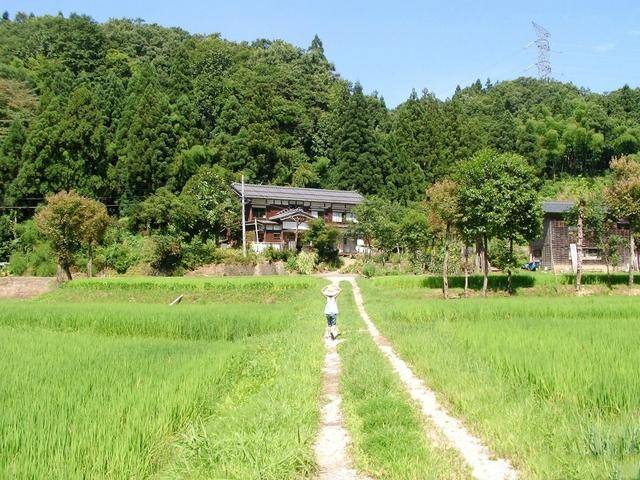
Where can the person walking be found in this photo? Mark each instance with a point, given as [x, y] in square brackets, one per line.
[331, 292]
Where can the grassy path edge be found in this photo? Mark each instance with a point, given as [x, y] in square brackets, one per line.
[331, 447]
[471, 448]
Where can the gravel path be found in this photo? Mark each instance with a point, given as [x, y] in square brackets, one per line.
[333, 441]
[483, 464]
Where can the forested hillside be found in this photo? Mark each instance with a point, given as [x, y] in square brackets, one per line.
[119, 109]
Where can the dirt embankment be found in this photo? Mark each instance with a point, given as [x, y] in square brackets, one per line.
[25, 287]
[230, 270]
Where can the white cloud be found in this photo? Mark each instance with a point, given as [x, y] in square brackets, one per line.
[604, 47]
[635, 32]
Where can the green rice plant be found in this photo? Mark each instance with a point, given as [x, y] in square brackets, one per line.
[543, 283]
[550, 383]
[83, 406]
[194, 289]
[188, 322]
[137, 390]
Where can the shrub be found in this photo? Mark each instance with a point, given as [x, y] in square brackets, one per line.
[42, 261]
[39, 261]
[199, 252]
[234, 256]
[306, 262]
[6, 237]
[292, 264]
[369, 269]
[167, 252]
[272, 255]
[18, 263]
[121, 253]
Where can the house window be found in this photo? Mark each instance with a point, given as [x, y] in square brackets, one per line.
[591, 254]
[259, 212]
[276, 235]
[314, 213]
[351, 217]
[336, 217]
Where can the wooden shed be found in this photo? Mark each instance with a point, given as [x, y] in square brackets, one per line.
[556, 248]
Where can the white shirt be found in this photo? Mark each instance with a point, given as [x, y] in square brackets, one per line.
[331, 308]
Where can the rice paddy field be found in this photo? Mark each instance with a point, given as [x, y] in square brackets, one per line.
[102, 379]
[550, 382]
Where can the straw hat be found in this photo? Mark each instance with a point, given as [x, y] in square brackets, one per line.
[331, 290]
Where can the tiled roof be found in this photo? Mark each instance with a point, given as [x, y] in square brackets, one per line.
[290, 212]
[274, 192]
[557, 206]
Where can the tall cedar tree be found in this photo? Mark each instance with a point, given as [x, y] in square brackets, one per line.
[146, 137]
[358, 153]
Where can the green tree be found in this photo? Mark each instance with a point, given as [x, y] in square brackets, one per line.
[323, 239]
[497, 199]
[217, 206]
[93, 230]
[623, 199]
[6, 237]
[145, 137]
[377, 224]
[358, 151]
[166, 212]
[443, 216]
[67, 221]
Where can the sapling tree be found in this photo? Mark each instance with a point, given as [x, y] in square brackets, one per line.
[443, 218]
[586, 215]
[602, 228]
[622, 198]
[96, 222]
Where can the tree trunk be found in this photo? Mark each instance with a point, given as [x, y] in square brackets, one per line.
[466, 270]
[485, 265]
[579, 248]
[63, 273]
[90, 262]
[632, 255]
[445, 265]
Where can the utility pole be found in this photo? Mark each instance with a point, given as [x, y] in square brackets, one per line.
[244, 227]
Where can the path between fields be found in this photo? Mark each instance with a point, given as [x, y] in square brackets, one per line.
[25, 287]
[484, 465]
[333, 439]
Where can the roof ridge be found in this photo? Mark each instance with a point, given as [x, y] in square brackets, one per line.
[295, 188]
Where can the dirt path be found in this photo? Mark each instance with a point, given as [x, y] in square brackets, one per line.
[24, 287]
[484, 465]
[333, 441]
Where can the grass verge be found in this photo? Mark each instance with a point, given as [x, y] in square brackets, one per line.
[550, 383]
[389, 435]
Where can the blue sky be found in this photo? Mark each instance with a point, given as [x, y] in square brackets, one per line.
[393, 47]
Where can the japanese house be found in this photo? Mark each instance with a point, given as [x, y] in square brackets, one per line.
[278, 216]
[556, 249]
